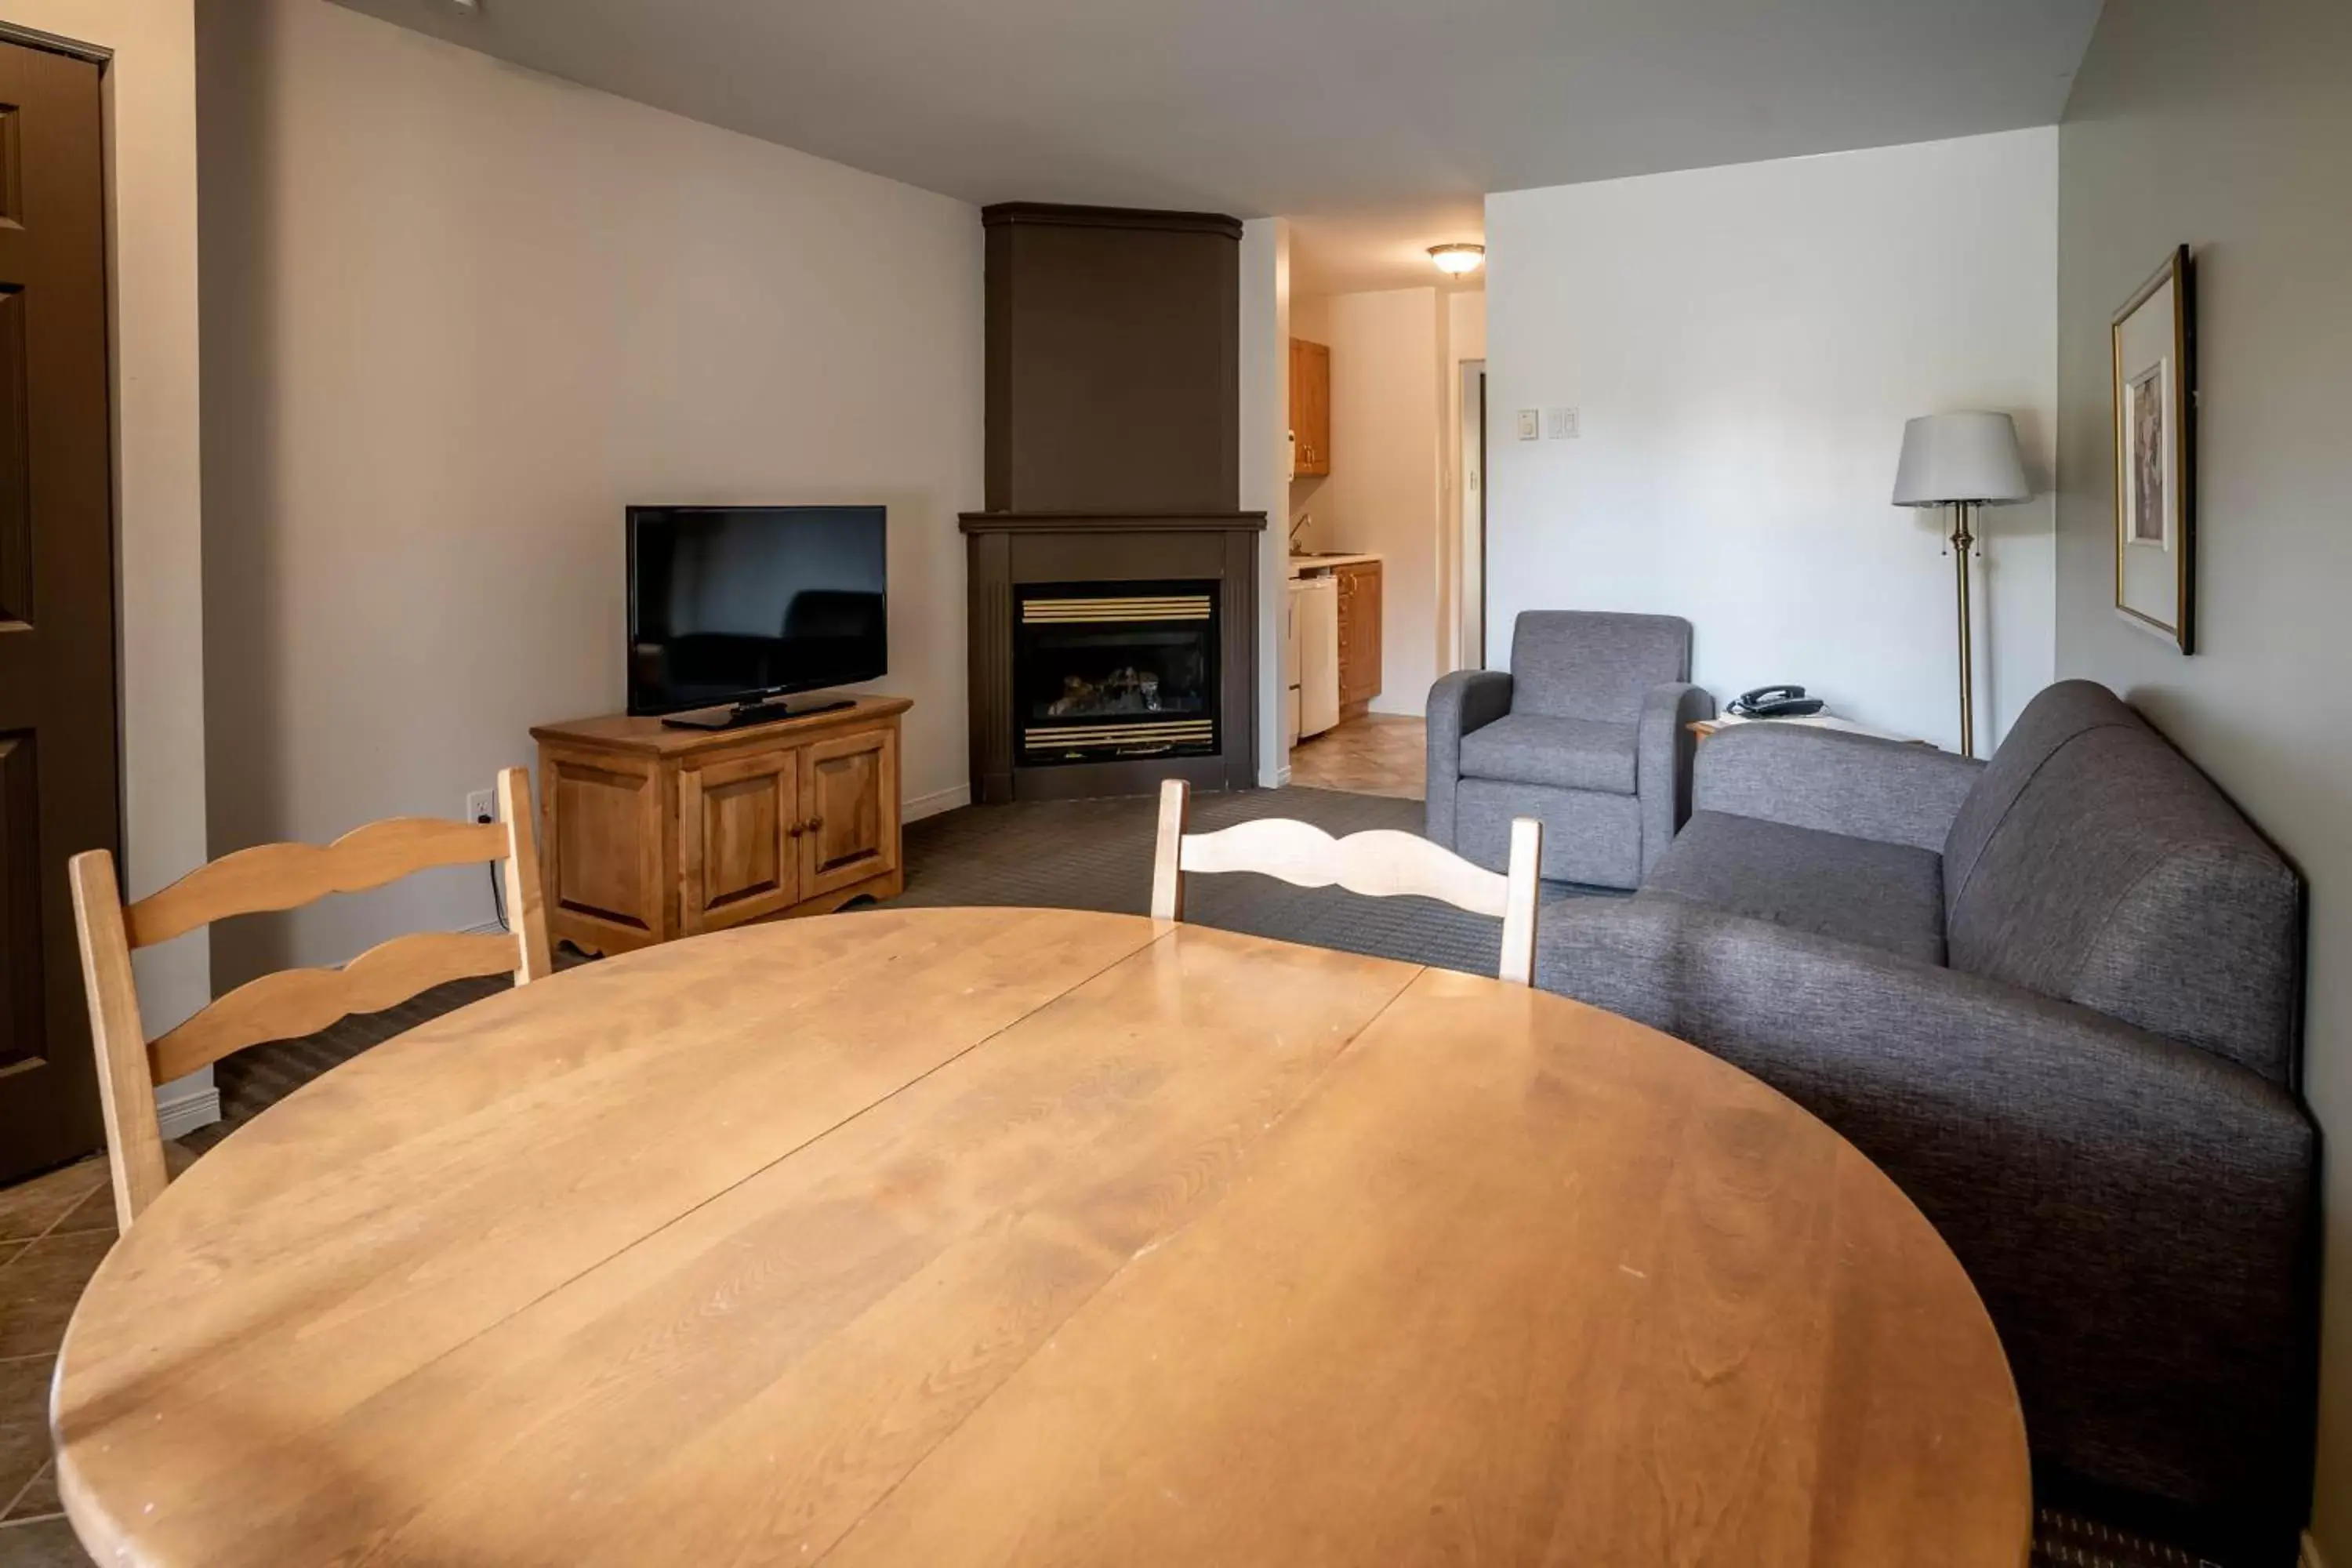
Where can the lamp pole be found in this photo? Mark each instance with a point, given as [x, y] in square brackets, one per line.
[1963, 540]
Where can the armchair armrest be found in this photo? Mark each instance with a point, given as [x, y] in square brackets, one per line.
[1464, 700]
[2124, 1203]
[1661, 765]
[1855, 785]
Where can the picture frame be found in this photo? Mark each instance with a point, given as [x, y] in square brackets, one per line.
[2152, 342]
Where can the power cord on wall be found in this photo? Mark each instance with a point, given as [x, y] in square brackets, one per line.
[498, 885]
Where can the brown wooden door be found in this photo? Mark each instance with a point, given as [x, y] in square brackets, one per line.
[739, 833]
[57, 762]
[849, 788]
[1360, 633]
[1310, 405]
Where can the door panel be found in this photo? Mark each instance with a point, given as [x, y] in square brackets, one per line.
[739, 840]
[602, 862]
[849, 786]
[58, 792]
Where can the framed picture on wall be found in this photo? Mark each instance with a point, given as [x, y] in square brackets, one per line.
[2155, 406]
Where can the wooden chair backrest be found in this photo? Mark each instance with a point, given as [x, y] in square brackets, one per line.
[1380, 864]
[295, 1001]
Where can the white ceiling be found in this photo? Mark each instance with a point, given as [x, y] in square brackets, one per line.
[1300, 107]
[1342, 253]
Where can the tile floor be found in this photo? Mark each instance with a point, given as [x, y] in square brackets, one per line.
[54, 1229]
[1379, 753]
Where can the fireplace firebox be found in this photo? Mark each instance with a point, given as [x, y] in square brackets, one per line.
[1109, 670]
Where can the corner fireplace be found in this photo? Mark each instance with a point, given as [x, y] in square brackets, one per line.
[1113, 582]
[1103, 671]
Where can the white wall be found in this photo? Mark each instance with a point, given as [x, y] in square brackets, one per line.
[151, 106]
[1466, 338]
[1745, 344]
[457, 316]
[2208, 122]
[1264, 463]
[1383, 492]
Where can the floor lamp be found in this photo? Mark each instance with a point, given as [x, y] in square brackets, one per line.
[1962, 461]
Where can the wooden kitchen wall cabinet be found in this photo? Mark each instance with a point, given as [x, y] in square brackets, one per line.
[1310, 405]
[649, 833]
[1359, 637]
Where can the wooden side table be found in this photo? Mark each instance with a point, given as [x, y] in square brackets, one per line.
[1703, 728]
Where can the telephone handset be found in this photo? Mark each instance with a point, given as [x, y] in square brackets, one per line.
[1776, 702]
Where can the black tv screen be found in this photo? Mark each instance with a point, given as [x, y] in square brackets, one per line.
[731, 604]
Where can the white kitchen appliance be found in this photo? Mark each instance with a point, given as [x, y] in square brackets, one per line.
[1316, 617]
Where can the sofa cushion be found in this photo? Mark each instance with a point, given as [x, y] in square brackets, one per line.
[2055, 716]
[1565, 753]
[1590, 664]
[1863, 891]
[2119, 878]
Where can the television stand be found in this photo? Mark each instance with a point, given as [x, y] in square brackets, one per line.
[653, 832]
[744, 713]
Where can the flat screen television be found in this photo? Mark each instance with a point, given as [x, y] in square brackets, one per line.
[731, 606]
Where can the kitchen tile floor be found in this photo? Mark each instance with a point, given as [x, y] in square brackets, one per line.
[1379, 753]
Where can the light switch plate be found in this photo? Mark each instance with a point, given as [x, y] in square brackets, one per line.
[1529, 419]
[1560, 425]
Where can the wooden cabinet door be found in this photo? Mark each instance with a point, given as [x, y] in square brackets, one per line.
[849, 796]
[1310, 405]
[740, 833]
[1360, 633]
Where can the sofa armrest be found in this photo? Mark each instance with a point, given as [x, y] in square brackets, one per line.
[1464, 700]
[1662, 767]
[2140, 1216]
[1859, 785]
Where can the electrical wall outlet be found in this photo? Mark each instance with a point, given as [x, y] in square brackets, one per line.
[1560, 425]
[482, 805]
[1531, 421]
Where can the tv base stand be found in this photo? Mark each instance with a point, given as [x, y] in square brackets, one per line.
[747, 714]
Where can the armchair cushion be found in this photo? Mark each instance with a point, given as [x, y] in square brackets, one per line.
[1566, 754]
[1583, 664]
[1885, 896]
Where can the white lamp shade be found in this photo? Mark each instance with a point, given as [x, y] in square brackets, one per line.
[1951, 457]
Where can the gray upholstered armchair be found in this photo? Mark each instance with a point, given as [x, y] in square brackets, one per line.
[1587, 732]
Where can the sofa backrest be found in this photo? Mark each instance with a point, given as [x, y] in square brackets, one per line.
[1592, 664]
[2092, 863]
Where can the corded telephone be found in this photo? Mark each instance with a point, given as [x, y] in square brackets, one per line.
[1776, 702]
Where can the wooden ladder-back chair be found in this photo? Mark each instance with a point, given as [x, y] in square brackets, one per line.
[293, 1002]
[1384, 863]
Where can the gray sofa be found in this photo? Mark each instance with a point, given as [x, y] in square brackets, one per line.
[2056, 998]
[1588, 733]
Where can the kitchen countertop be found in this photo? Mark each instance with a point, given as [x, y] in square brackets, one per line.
[1301, 565]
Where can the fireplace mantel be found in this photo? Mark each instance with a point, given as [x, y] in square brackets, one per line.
[1111, 457]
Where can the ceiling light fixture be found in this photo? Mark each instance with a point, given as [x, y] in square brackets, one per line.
[1455, 261]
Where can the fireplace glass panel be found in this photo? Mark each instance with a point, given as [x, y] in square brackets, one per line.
[1104, 670]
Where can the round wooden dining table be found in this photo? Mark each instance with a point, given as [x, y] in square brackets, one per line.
[1039, 1237]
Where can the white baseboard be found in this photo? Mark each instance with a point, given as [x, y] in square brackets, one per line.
[923, 806]
[193, 1107]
